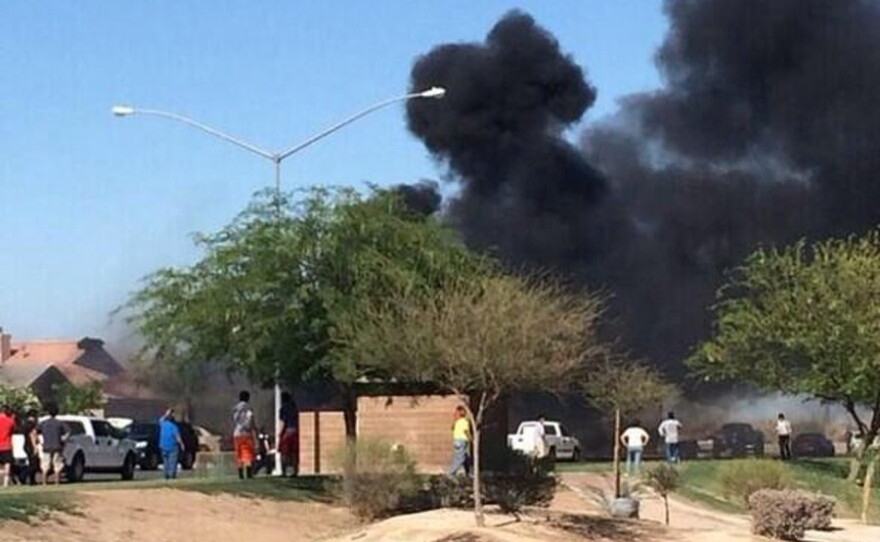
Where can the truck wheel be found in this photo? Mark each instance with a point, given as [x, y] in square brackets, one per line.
[77, 468]
[552, 453]
[128, 465]
[576, 455]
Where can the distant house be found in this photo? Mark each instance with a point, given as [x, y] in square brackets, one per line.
[42, 365]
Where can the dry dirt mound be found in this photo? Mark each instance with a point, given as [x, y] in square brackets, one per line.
[166, 515]
[458, 526]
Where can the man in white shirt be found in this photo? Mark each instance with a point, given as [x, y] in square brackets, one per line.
[539, 445]
[669, 430]
[783, 433]
[635, 439]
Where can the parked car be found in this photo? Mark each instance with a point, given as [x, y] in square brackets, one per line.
[812, 445]
[96, 446]
[736, 440]
[146, 437]
[560, 444]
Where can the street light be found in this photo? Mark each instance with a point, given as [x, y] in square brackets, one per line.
[276, 158]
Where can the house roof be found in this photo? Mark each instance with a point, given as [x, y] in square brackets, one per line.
[22, 375]
[64, 355]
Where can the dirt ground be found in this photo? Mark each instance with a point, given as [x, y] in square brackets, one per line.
[165, 515]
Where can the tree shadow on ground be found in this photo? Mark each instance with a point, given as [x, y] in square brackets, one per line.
[600, 528]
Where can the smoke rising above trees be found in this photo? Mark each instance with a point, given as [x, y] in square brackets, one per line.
[766, 129]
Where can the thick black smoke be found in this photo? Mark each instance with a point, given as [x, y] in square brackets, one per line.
[767, 129]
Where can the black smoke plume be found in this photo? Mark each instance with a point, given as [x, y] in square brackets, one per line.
[767, 129]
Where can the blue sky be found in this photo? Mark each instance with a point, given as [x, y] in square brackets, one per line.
[92, 203]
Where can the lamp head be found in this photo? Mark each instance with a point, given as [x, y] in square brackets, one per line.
[434, 92]
[122, 110]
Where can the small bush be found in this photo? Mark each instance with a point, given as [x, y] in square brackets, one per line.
[788, 514]
[664, 479]
[527, 481]
[520, 481]
[739, 479]
[377, 478]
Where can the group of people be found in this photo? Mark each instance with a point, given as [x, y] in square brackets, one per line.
[635, 439]
[43, 445]
[251, 447]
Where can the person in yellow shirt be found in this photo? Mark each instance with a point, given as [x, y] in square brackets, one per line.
[461, 440]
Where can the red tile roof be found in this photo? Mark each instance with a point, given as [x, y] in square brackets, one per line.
[62, 354]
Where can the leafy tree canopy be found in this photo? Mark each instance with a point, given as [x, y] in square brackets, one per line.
[806, 320]
[271, 285]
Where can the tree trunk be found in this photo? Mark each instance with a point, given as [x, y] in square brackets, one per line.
[855, 464]
[478, 495]
[616, 460]
[350, 413]
[666, 506]
[868, 486]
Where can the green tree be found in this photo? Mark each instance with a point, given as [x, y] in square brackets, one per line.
[479, 339]
[621, 387]
[19, 399]
[804, 320]
[271, 285]
[72, 399]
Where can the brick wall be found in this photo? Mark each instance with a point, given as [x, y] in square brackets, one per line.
[330, 427]
[422, 425]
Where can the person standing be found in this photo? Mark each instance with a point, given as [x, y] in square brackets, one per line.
[539, 438]
[244, 435]
[53, 434]
[170, 444]
[31, 446]
[634, 439]
[669, 430]
[7, 427]
[288, 440]
[461, 440]
[783, 433]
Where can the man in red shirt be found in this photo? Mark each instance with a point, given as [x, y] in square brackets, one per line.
[7, 426]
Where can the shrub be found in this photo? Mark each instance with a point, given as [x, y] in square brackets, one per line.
[519, 481]
[377, 478]
[788, 514]
[663, 479]
[739, 479]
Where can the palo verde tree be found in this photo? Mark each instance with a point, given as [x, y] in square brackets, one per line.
[270, 286]
[621, 387]
[479, 339]
[804, 320]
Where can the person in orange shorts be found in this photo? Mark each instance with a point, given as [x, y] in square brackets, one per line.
[244, 435]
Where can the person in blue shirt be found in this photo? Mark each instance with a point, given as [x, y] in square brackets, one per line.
[170, 444]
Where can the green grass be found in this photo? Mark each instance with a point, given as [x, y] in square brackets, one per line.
[302, 489]
[701, 482]
[32, 506]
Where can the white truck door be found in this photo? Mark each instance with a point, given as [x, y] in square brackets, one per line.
[105, 456]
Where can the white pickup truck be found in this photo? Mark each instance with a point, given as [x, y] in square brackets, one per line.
[559, 443]
[93, 445]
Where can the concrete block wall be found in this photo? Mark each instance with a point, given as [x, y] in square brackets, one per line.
[422, 425]
[330, 429]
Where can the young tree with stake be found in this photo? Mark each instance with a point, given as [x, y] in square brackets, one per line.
[479, 339]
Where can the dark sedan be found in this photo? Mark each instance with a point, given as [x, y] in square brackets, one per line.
[812, 445]
[737, 440]
[146, 435]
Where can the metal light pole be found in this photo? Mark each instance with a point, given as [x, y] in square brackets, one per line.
[276, 158]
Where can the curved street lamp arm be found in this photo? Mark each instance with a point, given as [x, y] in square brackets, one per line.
[341, 124]
[205, 128]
